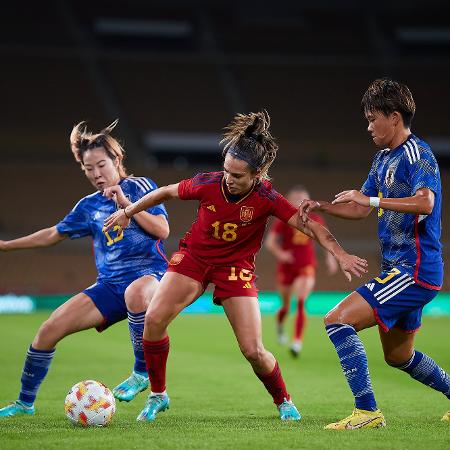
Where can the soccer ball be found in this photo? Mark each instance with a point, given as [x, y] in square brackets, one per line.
[90, 403]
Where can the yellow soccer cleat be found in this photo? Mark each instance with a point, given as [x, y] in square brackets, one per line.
[359, 419]
[446, 417]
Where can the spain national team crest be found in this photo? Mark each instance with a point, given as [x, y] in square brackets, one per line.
[176, 259]
[246, 213]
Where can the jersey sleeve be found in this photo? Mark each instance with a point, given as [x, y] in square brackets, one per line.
[425, 174]
[282, 208]
[190, 189]
[370, 187]
[76, 223]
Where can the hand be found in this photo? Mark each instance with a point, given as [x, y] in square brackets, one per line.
[115, 193]
[285, 256]
[351, 196]
[331, 263]
[351, 264]
[305, 207]
[118, 218]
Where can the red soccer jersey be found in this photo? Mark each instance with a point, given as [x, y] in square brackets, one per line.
[227, 232]
[301, 245]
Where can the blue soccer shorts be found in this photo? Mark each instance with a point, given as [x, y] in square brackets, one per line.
[396, 299]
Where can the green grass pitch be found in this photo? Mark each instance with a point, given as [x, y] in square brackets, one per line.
[216, 401]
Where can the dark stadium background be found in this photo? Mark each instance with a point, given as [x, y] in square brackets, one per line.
[175, 73]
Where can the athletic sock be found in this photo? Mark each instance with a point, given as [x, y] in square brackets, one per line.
[300, 320]
[275, 385]
[136, 327]
[281, 314]
[37, 363]
[352, 356]
[424, 369]
[156, 353]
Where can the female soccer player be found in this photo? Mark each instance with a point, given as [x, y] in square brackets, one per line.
[220, 248]
[405, 186]
[130, 264]
[296, 269]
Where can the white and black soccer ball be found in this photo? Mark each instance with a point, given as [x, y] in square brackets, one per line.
[90, 403]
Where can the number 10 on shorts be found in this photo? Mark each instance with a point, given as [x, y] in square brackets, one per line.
[244, 274]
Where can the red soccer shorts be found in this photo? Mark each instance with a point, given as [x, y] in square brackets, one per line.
[287, 273]
[229, 281]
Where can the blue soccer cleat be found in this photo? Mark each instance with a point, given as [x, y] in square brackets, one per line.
[288, 411]
[16, 408]
[128, 389]
[155, 403]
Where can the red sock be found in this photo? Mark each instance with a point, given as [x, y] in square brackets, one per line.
[156, 353]
[281, 314]
[274, 384]
[300, 320]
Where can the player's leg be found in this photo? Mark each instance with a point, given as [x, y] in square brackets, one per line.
[342, 323]
[175, 292]
[245, 318]
[303, 286]
[137, 298]
[399, 352]
[78, 313]
[284, 290]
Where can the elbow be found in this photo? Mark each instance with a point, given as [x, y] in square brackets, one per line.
[428, 209]
[164, 232]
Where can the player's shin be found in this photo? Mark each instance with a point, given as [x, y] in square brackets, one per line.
[136, 327]
[352, 356]
[34, 371]
[424, 369]
[156, 353]
[274, 383]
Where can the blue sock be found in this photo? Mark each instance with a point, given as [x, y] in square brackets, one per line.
[136, 327]
[353, 359]
[34, 371]
[422, 368]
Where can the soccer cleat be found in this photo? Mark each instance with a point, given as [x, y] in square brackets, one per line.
[155, 403]
[446, 417]
[296, 348]
[15, 409]
[281, 336]
[359, 419]
[288, 411]
[128, 389]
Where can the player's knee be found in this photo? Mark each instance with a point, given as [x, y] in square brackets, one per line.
[253, 353]
[50, 330]
[136, 302]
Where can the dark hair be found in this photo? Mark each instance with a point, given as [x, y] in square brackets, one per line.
[248, 138]
[386, 96]
[82, 140]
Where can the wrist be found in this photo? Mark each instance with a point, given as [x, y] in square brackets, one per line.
[374, 202]
[127, 213]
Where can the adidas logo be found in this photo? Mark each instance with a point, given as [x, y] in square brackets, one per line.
[370, 286]
[247, 285]
[211, 208]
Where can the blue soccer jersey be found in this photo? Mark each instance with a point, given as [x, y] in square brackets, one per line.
[408, 240]
[121, 256]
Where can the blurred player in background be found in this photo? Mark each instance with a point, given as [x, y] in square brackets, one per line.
[404, 185]
[220, 248]
[129, 263]
[296, 269]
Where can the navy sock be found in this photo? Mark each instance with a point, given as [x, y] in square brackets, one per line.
[352, 356]
[136, 327]
[34, 371]
[422, 368]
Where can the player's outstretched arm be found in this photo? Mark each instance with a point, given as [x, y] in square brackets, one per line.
[42, 238]
[349, 264]
[422, 202]
[123, 216]
[155, 225]
[350, 210]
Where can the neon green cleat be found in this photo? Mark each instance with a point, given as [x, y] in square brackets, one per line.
[128, 389]
[16, 408]
[359, 419]
[446, 417]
